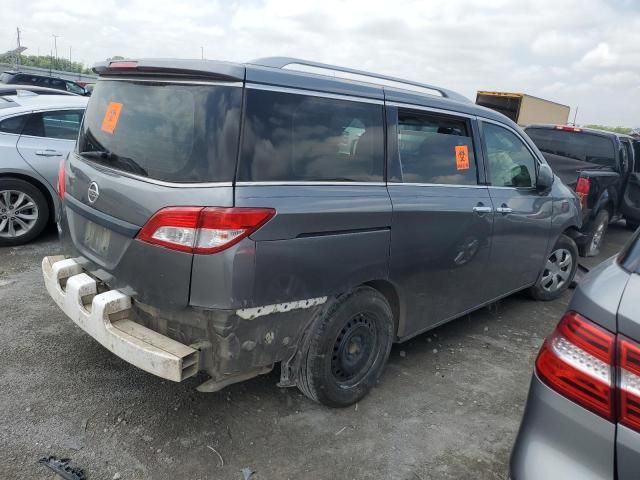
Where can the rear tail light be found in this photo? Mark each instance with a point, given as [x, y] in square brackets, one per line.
[581, 360]
[629, 368]
[582, 189]
[61, 180]
[577, 362]
[203, 230]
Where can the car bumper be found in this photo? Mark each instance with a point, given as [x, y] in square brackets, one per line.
[105, 316]
[559, 440]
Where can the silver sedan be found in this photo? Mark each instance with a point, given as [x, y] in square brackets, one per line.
[36, 132]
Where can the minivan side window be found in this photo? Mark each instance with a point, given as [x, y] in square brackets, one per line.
[293, 137]
[61, 124]
[435, 149]
[510, 162]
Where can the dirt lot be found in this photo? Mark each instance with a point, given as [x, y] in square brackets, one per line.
[448, 405]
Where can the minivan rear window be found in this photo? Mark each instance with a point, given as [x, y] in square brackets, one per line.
[173, 132]
[583, 146]
[292, 137]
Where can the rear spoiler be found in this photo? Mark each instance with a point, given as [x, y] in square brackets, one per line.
[209, 69]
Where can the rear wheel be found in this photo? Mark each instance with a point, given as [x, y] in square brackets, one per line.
[347, 348]
[558, 271]
[23, 212]
[596, 234]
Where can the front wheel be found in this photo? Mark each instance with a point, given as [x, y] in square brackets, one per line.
[23, 212]
[558, 271]
[347, 348]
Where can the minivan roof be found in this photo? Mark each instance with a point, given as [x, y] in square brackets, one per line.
[276, 71]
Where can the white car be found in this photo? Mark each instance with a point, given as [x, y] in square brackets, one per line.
[36, 132]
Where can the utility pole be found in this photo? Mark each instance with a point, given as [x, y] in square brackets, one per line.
[202, 52]
[70, 69]
[18, 62]
[574, 116]
[55, 46]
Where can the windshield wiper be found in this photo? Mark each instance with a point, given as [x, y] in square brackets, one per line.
[124, 163]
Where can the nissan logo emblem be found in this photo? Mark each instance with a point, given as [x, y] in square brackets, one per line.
[93, 193]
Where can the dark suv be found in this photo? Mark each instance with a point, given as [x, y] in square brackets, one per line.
[227, 217]
[604, 170]
[21, 78]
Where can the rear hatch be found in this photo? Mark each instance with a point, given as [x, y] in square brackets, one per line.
[151, 138]
[570, 150]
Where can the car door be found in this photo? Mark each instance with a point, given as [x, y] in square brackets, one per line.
[522, 221]
[442, 216]
[630, 206]
[47, 137]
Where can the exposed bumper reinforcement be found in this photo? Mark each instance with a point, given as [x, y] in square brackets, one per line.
[105, 317]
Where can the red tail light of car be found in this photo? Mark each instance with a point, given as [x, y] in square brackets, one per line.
[61, 180]
[577, 361]
[595, 369]
[203, 230]
[582, 189]
[629, 369]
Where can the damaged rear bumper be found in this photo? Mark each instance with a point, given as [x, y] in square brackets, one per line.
[106, 317]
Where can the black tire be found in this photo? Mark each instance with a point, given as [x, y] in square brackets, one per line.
[42, 212]
[347, 348]
[596, 235]
[538, 291]
[632, 225]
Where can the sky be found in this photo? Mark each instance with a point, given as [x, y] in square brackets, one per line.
[582, 53]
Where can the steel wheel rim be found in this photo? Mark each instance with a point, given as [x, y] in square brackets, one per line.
[18, 213]
[557, 271]
[354, 350]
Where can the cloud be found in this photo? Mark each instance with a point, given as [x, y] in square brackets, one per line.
[576, 52]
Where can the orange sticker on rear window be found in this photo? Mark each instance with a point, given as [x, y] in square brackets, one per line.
[111, 117]
[462, 157]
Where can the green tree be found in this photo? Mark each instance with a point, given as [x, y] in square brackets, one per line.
[623, 130]
[45, 61]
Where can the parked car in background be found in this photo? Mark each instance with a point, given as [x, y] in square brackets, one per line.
[22, 78]
[36, 132]
[20, 90]
[194, 248]
[582, 418]
[604, 170]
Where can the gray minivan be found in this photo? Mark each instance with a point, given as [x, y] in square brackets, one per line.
[227, 218]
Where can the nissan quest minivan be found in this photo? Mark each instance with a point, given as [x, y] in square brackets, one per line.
[227, 218]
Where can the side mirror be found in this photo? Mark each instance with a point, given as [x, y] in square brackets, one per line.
[545, 178]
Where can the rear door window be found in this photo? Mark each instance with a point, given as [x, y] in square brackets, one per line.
[291, 137]
[166, 131]
[61, 124]
[510, 162]
[13, 124]
[436, 149]
[583, 146]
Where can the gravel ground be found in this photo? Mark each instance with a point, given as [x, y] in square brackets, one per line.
[448, 406]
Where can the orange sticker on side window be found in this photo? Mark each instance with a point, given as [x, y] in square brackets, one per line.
[111, 117]
[462, 157]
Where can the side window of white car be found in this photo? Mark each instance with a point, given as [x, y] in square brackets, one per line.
[61, 124]
[13, 124]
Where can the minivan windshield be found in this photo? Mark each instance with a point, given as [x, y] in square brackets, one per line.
[173, 132]
[583, 146]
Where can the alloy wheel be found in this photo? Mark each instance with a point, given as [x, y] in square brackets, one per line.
[18, 213]
[557, 270]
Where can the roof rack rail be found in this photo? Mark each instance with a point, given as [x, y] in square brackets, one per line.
[283, 62]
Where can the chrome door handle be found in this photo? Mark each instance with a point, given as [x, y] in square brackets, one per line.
[482, 209]
[49, 153]
[504, 210]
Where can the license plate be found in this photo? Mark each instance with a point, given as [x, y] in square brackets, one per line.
[97, 238]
